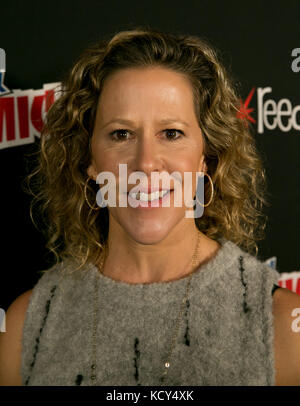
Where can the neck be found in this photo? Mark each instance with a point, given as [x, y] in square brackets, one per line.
[167, 260]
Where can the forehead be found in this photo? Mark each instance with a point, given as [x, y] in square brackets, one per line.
[151, 87]
[133, 74]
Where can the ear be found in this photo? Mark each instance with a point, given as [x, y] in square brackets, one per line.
[91, 171]
[202, 165]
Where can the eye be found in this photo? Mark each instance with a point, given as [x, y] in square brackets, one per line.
[113, 133]
[174, 131]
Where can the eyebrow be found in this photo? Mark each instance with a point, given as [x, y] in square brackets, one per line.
[163, 121]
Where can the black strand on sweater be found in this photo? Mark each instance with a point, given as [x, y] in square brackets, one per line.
[186, 335]
[242, 269]
[37, 340]
[136, 360]
[78, 380]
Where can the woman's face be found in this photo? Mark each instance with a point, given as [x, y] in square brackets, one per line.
[147, 98]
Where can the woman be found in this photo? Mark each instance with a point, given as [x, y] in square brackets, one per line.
[149, 295]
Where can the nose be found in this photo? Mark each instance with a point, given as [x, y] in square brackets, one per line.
[148, 154]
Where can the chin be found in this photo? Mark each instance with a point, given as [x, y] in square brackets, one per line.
[148, 237]
[147, 230]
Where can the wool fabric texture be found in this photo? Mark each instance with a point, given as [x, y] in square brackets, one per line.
[225, 337]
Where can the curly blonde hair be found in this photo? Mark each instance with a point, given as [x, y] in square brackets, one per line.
[71, 228]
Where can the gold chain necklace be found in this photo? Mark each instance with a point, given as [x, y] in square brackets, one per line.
[173, 341]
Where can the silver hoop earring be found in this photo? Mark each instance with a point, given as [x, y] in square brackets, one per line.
[85, 196]
[212, 192]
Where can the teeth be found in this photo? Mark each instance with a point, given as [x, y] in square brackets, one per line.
[146, 197]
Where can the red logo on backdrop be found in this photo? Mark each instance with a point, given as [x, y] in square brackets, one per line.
[288, 280]
[244, 110]
[22, 114]
[271, 115]
[291, 281]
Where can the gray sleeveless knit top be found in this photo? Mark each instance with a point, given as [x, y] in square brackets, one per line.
[225, 336]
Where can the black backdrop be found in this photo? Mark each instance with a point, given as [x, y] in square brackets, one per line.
[256, 39]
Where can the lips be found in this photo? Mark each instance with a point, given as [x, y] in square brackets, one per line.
[140, 203]
[145, 190]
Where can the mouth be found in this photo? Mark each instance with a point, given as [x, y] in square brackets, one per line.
[150, 196]
[152, 200]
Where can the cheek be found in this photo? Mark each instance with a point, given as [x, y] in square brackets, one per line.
[105, 160]
[103, 157]
[110, 164]
[187, 167]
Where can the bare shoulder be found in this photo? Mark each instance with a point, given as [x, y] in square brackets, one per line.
[286, 311]
[11, 340]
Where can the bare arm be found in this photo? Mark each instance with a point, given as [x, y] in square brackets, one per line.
[10, 341]
[286, 337]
